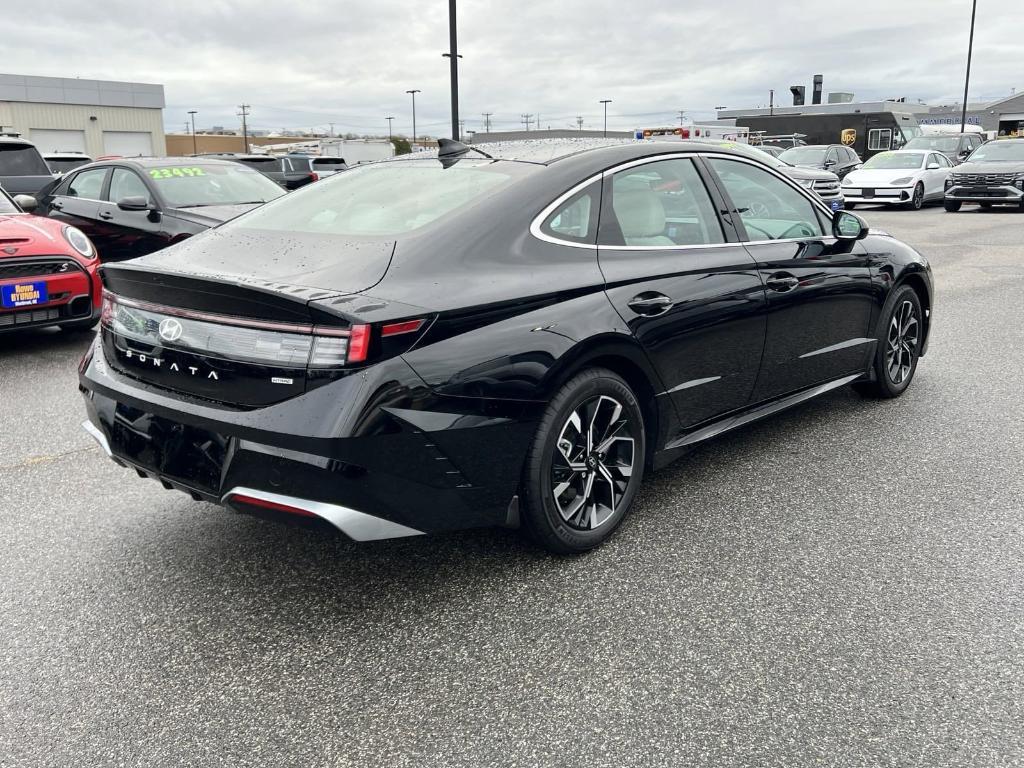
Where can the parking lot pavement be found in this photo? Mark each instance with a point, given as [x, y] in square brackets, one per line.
[840, 585]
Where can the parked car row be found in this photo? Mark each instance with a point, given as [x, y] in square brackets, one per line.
[290, 171]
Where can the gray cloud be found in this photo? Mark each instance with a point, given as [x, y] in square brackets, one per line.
[311, 62]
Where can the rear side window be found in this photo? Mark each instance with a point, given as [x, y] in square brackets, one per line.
[22, 160]
[662, 204]
[297, 164]
[87, 184]
[575, 220]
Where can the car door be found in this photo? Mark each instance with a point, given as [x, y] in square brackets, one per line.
[936, 169]
[681, 281]
[76, 202]
[820, 293]
[127, 234]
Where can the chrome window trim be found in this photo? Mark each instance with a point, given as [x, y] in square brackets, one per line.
[540, 218]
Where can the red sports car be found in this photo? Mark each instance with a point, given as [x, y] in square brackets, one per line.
[48, 272]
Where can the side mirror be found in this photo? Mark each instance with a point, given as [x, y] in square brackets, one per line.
[932, 167]
[134, 203]
[848, 226]
[829, 163]
[27, 203]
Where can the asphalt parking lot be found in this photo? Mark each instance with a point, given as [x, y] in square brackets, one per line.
[841, 585]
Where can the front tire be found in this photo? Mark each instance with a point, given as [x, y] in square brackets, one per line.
[952, 206]
[849, 206]
[900, 335]
[917, 199]
[585, 464]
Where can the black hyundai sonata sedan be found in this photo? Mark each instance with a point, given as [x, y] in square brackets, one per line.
[514, 339]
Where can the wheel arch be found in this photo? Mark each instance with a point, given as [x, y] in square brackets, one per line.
[919, 285]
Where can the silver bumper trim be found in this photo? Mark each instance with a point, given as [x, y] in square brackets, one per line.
[356, 525]
[98, 436]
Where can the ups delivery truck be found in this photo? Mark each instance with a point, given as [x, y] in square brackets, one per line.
[868, 133]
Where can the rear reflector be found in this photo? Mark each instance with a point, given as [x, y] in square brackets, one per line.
[264, 504]
[394, 329]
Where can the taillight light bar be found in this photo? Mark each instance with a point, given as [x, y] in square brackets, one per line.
[252, 501]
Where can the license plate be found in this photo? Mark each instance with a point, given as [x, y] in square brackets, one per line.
[836, 205]
[867, 193]
[23, 294]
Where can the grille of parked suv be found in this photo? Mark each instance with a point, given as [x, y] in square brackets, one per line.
[826, 187]
[983, 178]
[11, 268]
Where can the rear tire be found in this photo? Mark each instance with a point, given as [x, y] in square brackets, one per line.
[952, 206]
[585, 464]
[900, 335]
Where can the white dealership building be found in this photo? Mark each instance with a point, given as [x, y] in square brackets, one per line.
[97, 117]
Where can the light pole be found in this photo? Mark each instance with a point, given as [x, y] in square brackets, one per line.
[192, 112]
[389, 119]
[413, 93]
[967, 77]
[606, 102]
[453, 57]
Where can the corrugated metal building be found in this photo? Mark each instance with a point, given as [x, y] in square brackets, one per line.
[97, 117]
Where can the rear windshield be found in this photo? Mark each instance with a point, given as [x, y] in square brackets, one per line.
[999, 152]
[804, 155]
[895, 160]
[21, 160]
[63, 166]
[330, 162]
[384, 199]
[195, 185]
[262, 165]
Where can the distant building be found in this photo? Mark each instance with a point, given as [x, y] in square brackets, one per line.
[556, 133]
[97, 117]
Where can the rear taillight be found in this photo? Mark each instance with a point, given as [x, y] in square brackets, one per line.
[397, 329]
[252, 501]
[314, 176]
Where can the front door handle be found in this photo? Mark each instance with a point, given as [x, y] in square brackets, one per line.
[57, 204]
[650, 303]
[782, 282]
[106, 215]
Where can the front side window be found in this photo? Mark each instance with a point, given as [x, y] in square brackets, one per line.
[769, 207]
[879, 138]
[87, 184]
[385, 199]
[125, 183]
[660, 204]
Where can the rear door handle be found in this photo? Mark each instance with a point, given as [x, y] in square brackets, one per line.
[106, 215]
[650, 303]
[782, 282]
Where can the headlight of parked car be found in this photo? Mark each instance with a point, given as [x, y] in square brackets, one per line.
[809, 183]
[901, 180]
[950, 181]
[76, 239]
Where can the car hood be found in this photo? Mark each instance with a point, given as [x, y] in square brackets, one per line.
[29, 235]
[1011, 166]
[879, 177]
[275, 259]
[211, 215]
[807, 172]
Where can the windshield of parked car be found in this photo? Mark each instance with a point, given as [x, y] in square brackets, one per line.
[893, 160]
[21, 160]
[384, 199]
[6, 204]
[999, 152]
[804, 155]
[192, 185]
[63, 165]
[934, 143]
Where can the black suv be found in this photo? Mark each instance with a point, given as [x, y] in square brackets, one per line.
[268, 165]
[22, 169]
[837, 158]
[992, 175]
[955, 146]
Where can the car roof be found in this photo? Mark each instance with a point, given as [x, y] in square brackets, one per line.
[161, 162]
[15, 140]
[65, 155]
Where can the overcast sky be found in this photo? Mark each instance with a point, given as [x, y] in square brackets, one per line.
[305, 63]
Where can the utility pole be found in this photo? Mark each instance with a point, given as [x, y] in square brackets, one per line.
[606, 102]
[538, 121]
[245, 130]
[487, 121]
[526, 120]
[579, 122]
[332, 129]
[462, 128]
[681, 116]
[192, 112]
[967, 77]
[413, 93]
[453, 58]
[389, 119]
[771, 102]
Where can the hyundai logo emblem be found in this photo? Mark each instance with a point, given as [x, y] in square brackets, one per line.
[170, 329]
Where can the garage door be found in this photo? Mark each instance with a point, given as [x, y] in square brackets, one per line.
[49, 140]
[128, 143]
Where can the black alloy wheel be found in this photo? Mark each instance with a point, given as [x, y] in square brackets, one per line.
[900, 333]
[585, 464]
[917, 200]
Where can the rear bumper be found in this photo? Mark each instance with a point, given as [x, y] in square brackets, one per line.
[376, 454]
